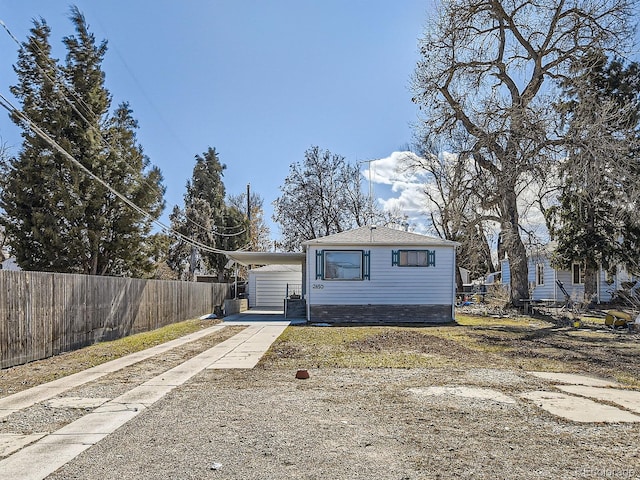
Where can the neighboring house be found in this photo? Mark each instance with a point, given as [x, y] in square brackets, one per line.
[8, 262]
[378, 275]
[465, 274]
[269, 285]
[544, 278]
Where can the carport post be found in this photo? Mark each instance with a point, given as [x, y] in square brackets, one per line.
[235, 289]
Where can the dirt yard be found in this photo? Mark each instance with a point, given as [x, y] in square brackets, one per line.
[380, 403]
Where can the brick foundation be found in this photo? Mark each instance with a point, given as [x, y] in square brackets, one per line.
[380, 314]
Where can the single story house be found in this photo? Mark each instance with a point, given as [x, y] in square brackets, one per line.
[544, 279]
[379, 275]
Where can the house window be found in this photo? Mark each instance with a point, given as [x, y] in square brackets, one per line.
[413, 258]
[540, 274]
[342, 265]
[577, 274]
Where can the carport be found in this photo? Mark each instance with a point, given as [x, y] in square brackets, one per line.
[269, 285]
[279, 276]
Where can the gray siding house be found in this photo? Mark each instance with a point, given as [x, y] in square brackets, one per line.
[379, 275]
[543, 278]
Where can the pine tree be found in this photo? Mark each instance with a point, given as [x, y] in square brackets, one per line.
[33, 184]
[207, 219]
[57, 217]
[596, 220]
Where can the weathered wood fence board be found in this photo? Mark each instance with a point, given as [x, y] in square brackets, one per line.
[43, 314]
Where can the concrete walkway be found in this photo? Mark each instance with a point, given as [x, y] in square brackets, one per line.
[583, 399]
[40, 393]
[53, 450]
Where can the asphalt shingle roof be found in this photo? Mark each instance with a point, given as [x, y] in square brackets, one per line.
[379, 236]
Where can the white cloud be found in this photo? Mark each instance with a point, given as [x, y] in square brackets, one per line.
[399, 190]
[389, 171]
[402, 191]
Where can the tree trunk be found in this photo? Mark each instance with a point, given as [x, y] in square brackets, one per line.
[192, 264]
[590, 284]
[514, 248]
[459, 285]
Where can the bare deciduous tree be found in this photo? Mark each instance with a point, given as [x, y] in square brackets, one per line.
[454, 208]
[485, 66]
[258, 229]
[320, 197]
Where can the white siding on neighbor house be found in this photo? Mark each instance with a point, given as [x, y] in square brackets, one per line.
[268, 287]
[551, 291]
[388, 285]
[547, 291]
[11, 265]
[575, 291]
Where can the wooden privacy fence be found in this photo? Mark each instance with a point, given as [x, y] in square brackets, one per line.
[43, 314]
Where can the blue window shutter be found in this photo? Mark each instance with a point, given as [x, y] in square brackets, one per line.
[431, 258]
[319, 264]
[395, 257]
[366, 274]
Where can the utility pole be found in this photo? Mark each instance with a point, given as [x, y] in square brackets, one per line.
[370, 189]
[249, 203]
[248, 221]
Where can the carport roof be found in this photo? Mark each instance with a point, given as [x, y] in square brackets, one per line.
[266, 258]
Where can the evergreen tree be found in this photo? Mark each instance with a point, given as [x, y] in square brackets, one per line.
[159, 244]
[206, 219]
[596, 219]
[58, 218]
[29, 196]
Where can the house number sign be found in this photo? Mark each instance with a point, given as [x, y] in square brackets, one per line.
[317, 286]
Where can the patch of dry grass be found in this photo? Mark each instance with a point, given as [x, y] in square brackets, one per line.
[474, 321]
[519, 343]
[352, 347]
[68, 363]
[380, 347]
[106, 351]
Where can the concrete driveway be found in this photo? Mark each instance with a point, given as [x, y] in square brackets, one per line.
[34, 457]
[262, 314]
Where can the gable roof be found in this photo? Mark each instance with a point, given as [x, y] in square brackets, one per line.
[380, 236]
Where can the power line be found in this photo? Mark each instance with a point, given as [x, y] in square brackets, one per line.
[63, 86]
[193, 222]
[6, 104]
[230, 234]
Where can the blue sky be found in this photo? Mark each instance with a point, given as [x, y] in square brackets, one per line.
[261, 81]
